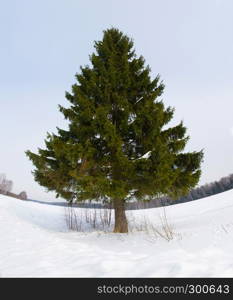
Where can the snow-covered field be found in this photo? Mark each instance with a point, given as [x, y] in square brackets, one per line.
[35, 242]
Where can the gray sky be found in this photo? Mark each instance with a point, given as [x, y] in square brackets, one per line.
[43, 43]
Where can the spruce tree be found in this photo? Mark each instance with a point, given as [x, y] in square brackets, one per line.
[116, 147]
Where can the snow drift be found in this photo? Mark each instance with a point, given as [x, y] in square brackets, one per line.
[35, 242]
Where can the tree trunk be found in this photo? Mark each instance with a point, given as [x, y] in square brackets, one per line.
[121, 224]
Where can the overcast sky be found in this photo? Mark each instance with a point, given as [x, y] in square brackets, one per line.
[43, 43]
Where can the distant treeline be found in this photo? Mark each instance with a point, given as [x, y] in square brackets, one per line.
[206, 190]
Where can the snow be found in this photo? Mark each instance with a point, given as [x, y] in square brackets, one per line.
[146, 155]
[132, 118]
[138, 100]
[35, 242]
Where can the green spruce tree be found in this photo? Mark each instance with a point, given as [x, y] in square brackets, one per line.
[116, 147]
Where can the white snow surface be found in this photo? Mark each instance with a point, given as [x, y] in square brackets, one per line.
[35, 242]
[146, 155]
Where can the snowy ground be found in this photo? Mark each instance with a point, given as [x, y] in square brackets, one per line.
[35, 242]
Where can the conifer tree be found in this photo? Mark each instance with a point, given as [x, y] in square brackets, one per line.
[116, 147]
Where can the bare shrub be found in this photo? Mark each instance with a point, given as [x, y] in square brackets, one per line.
[138, 225]
[166, 231]
[105, 217]
[91, 217]
[97, 218]
[101, 219]
[163, 230]
[5, 185]
[23, 195]
[73, 221]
